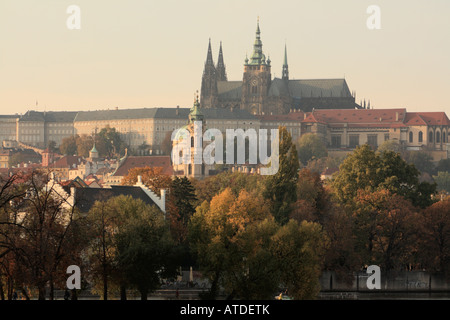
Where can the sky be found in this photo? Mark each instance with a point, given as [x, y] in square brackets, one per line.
[151, 53]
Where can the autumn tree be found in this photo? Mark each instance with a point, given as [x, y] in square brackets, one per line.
[230, 238]
[152, 177]
[385, 229]
[281, 187]
[435, 237]
[109, 143]
[40, 233]
[68, 145]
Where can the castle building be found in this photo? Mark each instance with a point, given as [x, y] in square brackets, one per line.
[260, 94]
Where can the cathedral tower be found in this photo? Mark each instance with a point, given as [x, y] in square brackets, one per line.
[209, 92]
[256, 79]
[220, 69]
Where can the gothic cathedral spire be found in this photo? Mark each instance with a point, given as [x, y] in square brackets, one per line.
[209, 93]
[221, 72]
[285, 71]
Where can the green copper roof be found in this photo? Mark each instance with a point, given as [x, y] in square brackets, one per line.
[258, 56]
[94, 149]
[195, 114]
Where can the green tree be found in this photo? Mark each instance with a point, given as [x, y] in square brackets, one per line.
[442, 180]
[182, 201]
[421, 160]
[300, 249]
[443, 165]
[143, 244]
[391, 145]
[310, 147]
[281, 187]
[365, 169]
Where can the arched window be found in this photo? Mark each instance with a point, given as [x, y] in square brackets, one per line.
[444, 135]
[420, 136]
[430, 137]
[410, 136]
[192, 142]
[438, 137]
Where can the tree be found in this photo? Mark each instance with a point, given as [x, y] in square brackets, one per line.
[84, 145]
[40, 234]
[52, 146]
[130, 245]
[69, 145]
[443, 165]
[152, 177]
[299, 248]
[102, 222]
[109, 143]
[143, 244]
[385, 228]
[435, 237]
[365, 169]
[312, 200]
[391, 145]
[442, 180]
[182, 201]
[421, 160]
[230, 237]
[281, 187]
[310, 147]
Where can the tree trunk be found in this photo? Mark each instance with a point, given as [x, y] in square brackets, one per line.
[41, 290]
[123, 292]
[144, 295]
[52, 289]
[2, 294]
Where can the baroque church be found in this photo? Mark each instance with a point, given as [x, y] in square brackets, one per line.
[259, 93]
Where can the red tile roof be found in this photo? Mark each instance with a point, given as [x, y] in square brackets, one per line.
[145, 161]
[67, 162]
[427, 118]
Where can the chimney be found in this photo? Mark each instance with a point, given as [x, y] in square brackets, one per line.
[178, 110]
[396, 116]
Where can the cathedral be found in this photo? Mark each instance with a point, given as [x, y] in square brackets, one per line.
[259, 93]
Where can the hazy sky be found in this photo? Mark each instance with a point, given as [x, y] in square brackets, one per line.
[144, 53]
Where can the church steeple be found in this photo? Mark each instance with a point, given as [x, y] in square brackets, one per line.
[258, 56]
[221, 72]
[285, 71]
[209, 58]
[209, 91]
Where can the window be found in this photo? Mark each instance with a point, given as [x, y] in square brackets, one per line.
[438, 137]
[372, 140]
[386, 136]
[430, 136]
[420, 136]
[443, 137]
[336, 141]
[354, 141]
[410, 137]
